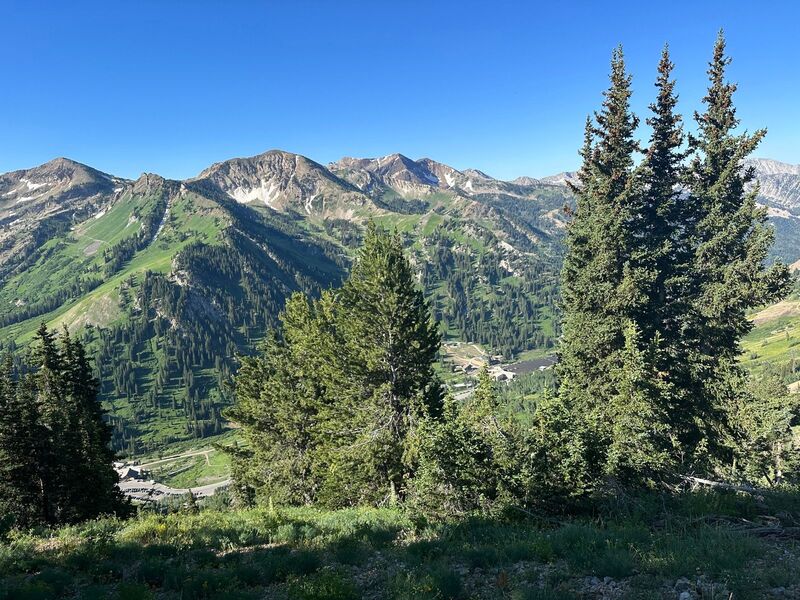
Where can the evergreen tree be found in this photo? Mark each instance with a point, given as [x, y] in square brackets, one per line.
[728, 274]
[51, 431]
[45, 383]
[764, 442]
[92, 468]
[661, 239]
[461, 466]
[600, 286]
[552, 458]
[390, 345]
[483, 405]
[332, 405]
[641, 450]
[280, 396]
[20, 434]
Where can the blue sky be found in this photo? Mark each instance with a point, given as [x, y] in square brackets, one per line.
[172, 86]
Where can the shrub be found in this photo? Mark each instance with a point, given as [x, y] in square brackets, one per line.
[327, 585]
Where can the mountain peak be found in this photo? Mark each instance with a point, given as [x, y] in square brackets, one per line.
[280, 179]
[560, 178]
[477, 173]
[768, 166]
[525, 180]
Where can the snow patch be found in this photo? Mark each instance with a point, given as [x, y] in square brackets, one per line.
[308, 204]
[468, 186]
[163, 222]
[31, 185]
[449, 179]
[265, 193]
[432, 178]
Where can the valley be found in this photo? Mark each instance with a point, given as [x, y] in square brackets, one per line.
[168, 282]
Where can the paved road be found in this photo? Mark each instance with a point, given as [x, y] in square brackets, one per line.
[151, 490]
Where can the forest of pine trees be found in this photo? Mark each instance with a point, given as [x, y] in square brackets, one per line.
[666, 253]
[55, 459]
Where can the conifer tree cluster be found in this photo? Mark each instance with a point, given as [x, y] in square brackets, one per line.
[331, 407]
[666, 252]
[55, 460]
[664, 259]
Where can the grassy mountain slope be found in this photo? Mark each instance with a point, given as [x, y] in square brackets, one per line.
[774, 343]
[307, 553]
[168, 281]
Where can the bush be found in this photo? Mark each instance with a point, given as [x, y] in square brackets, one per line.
[460, 468]
[435, 582]
[327, 585]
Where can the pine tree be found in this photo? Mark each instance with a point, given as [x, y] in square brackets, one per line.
[20, 432]
[280, 406]
[460, 469]
[599, 286]
[45, 383]
[661, 238]
[641, 450]
[331, 405]
[482, 406]
[764, 443]
[51, 431]
[390, 345]
[728, 274]
[91, 452]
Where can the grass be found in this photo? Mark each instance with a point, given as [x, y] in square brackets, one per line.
[192, 219]
[306, 554]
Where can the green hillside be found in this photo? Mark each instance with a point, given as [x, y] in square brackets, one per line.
[168, 282]
[774, 344]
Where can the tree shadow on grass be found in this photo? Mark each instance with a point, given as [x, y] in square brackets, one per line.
[307, 554]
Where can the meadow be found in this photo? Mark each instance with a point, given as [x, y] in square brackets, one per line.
[696, 545]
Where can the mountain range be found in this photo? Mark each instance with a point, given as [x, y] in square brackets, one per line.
[168, 281]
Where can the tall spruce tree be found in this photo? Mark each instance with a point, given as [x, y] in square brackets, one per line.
[728, 274]
[599, 287]
[663, 246]
[281, 406]
[332, 405]
[45, 384]
[20, 436]
[91, 449]
[390, 345]
[663, 259]
[641, 448]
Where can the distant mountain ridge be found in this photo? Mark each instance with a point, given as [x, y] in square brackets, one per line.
[779, 191]
[169, 280]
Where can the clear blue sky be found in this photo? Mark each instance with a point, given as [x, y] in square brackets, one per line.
[172, 86]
